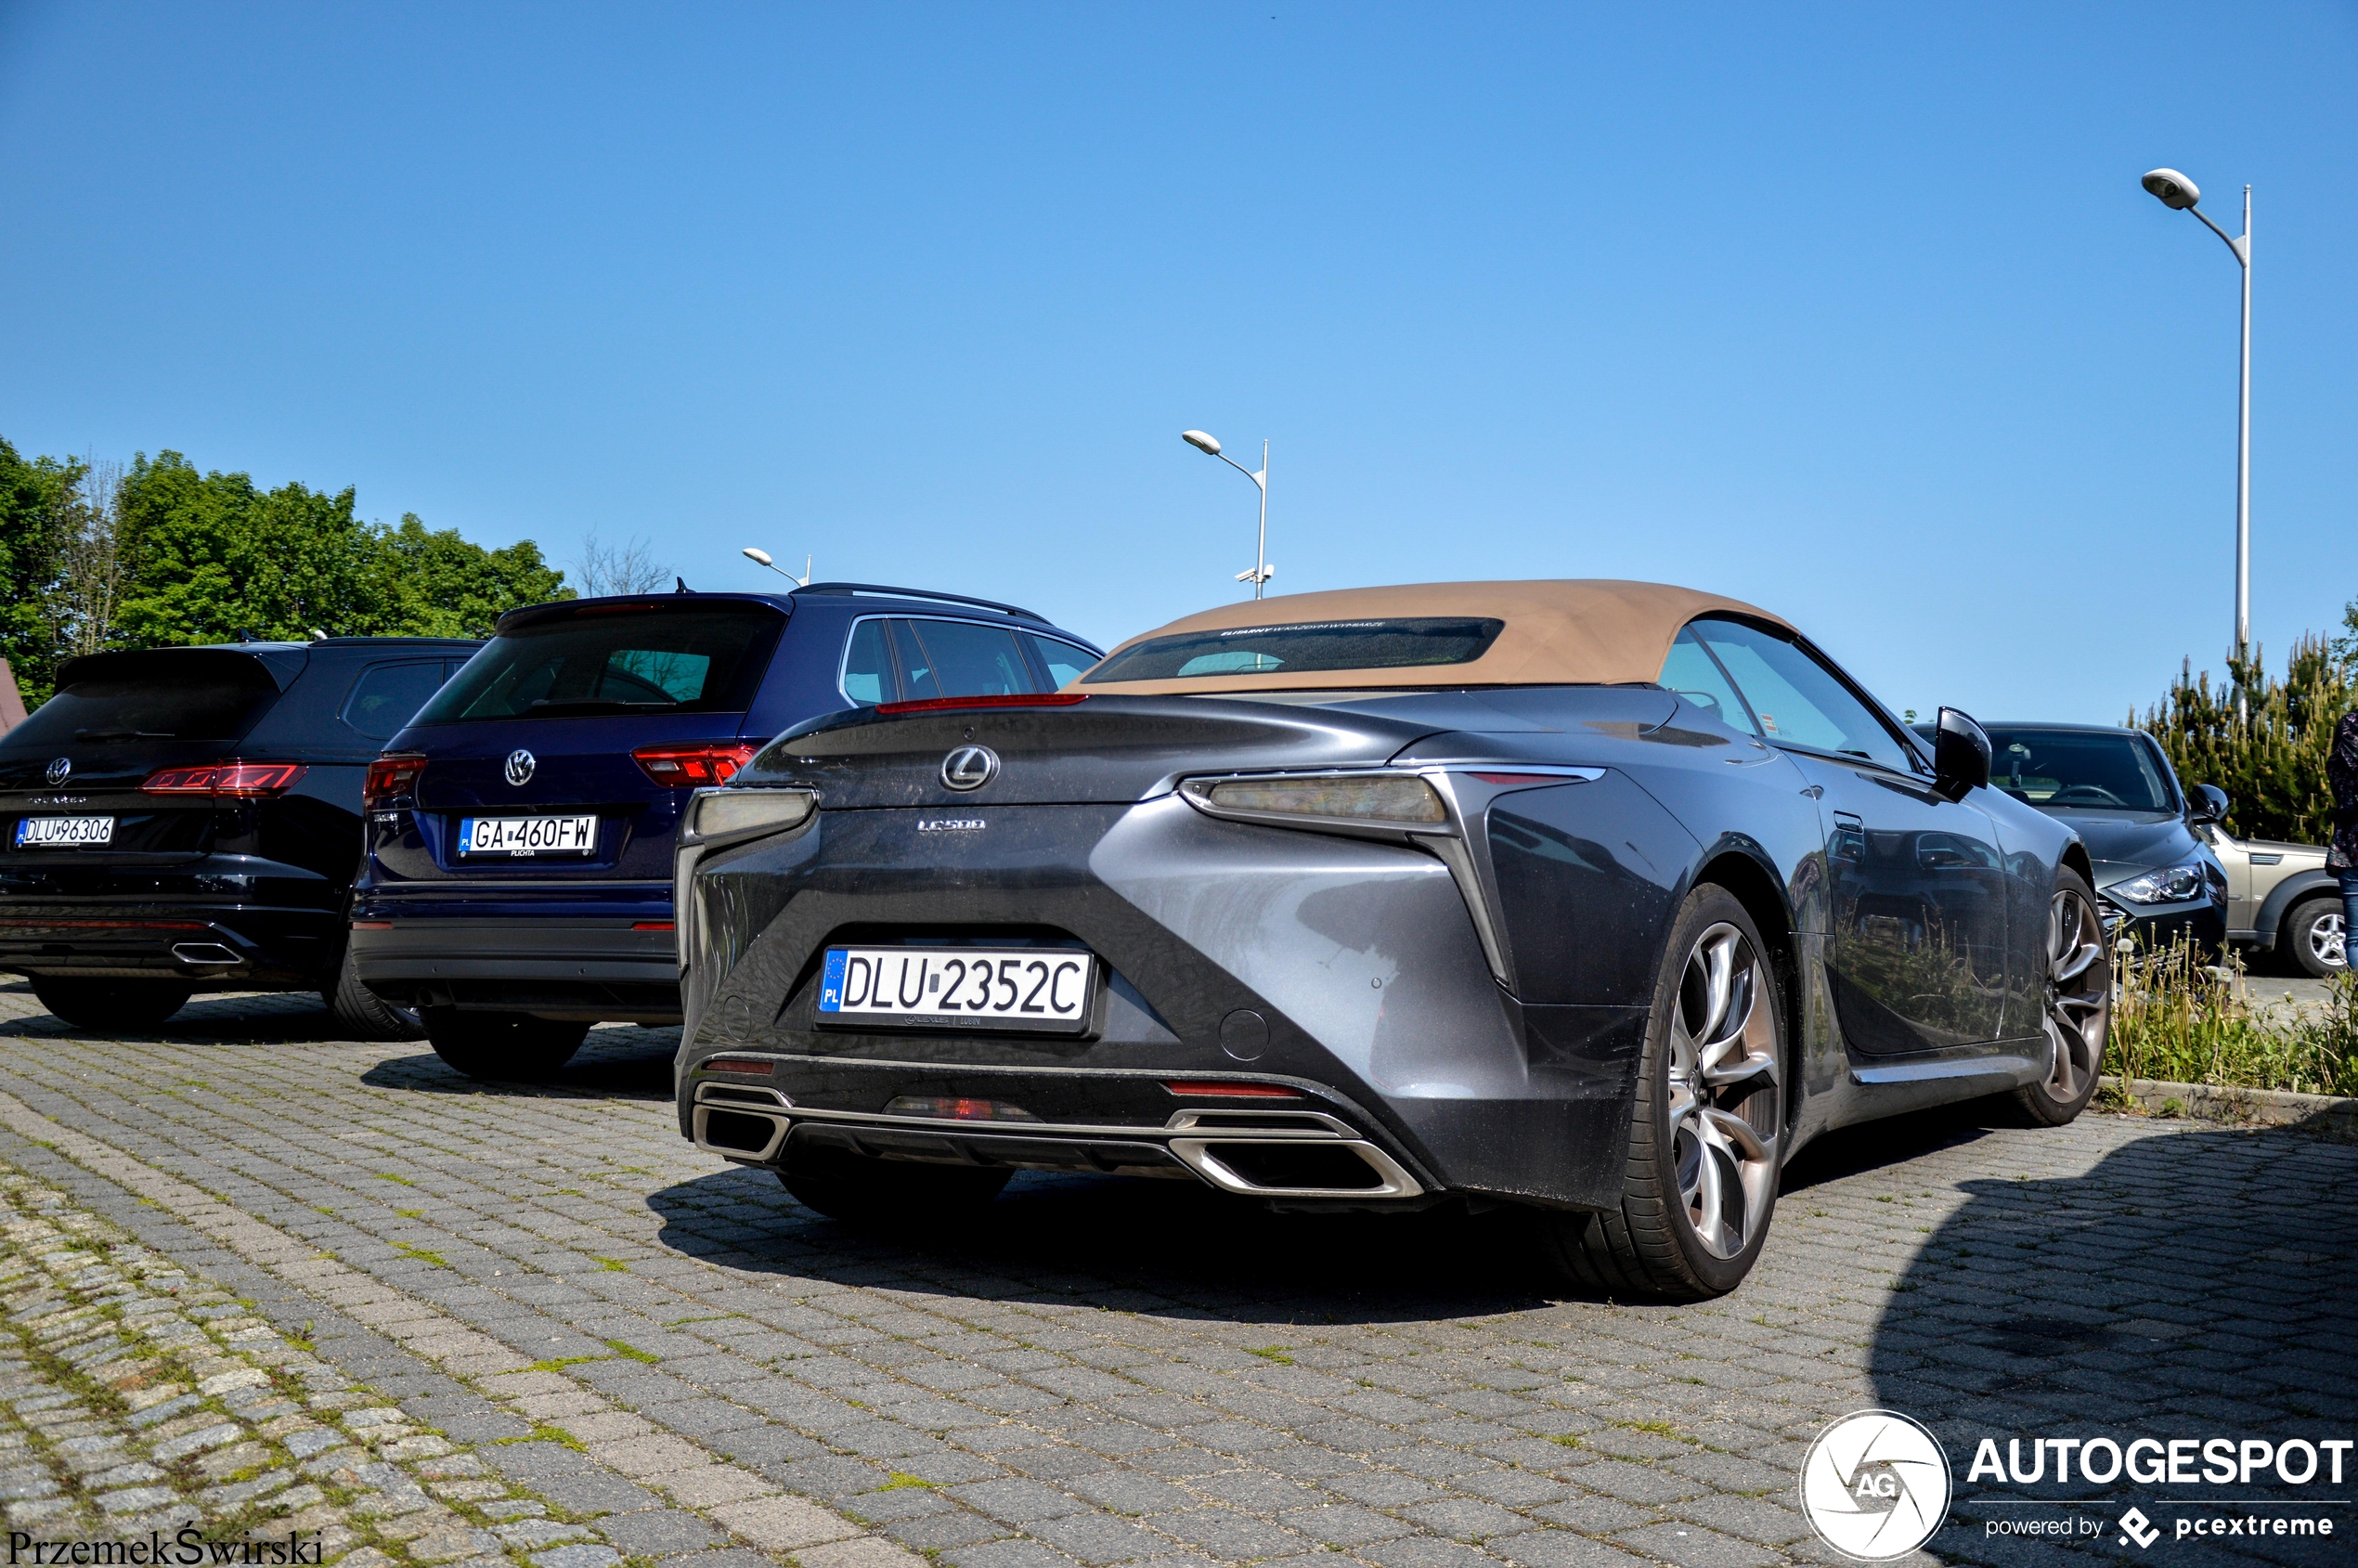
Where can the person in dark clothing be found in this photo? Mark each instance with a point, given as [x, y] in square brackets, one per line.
[2341, 854]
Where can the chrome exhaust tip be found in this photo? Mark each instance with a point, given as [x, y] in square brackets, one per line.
[741, 1124]
[1287, 1154]
[205, 955]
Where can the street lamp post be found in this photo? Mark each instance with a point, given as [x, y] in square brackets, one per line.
[1261, 571]
[2180, 194]
[761, 558]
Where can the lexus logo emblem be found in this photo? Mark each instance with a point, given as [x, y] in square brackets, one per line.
[61, 769]
[519, 766]
[970, 767]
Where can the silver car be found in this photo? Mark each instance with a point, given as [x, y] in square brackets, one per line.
[2281, 897]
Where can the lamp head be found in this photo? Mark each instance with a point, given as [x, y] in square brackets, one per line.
[1200, 440]
[762, 556]
[2174, 189]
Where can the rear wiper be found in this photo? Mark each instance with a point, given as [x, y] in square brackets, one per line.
[124, 735]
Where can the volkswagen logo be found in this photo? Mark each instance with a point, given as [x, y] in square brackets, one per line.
[970, 767]
[520, 766]
[61, 771]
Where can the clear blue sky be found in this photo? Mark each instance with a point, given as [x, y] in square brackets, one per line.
[1858, 312]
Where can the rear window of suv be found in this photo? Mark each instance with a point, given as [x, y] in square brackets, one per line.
[620, 659]
[165, 695]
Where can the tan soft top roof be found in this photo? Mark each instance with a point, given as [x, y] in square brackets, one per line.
[1564, 631]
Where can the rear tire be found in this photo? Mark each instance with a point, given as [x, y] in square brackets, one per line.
[362, 1014]
[2310, 934]
[901, 1194]
[502, 1047]
[2076, 1008]
[1706, 1140]
[109, 1003]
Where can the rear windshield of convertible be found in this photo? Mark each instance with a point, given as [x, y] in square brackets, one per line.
[619, 659]
[1401, 643]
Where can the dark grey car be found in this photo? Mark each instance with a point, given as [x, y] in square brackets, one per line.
[1596, 898]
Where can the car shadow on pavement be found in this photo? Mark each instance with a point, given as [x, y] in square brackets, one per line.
[2197, 1285]
[221, 1018]
[616, 1062]
[1179, 1241]
[1127, 1243]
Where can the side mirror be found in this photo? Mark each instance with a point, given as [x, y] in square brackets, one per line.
[1960, 752]
[2206, 803]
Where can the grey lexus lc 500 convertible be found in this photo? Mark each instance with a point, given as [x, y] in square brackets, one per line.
[1595, 898]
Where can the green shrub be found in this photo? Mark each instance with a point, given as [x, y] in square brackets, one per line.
[2272, 760]
[2179, 1022]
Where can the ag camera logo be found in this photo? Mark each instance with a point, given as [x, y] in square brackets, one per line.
[1874, 1486]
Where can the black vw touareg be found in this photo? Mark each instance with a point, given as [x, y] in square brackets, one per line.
[188, 819]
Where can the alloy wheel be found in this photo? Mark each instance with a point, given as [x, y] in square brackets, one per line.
[2326, 937]
[2079, 1001]
[1725, 1102]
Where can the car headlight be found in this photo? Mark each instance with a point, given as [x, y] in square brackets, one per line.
[2171, 885]
[731, 813]
[1375, 800]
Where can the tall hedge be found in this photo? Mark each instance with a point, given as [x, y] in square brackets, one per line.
[2272, 760]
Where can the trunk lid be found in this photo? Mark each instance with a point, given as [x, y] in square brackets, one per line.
[1111, 749]
[116, 721]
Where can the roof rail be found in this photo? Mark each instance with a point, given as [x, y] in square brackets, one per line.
[1014, 610]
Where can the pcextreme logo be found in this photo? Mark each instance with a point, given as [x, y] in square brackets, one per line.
[1875, 1485]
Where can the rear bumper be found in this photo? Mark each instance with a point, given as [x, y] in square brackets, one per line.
[1347, 970]
[1315, 1148]
[597, 969]
[211, 946]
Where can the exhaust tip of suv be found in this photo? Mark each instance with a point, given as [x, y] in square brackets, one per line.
[206, 955]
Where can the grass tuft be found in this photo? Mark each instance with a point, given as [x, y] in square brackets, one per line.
[437, 1259]
[2177, 1021]
[901, 1479]
[619, 1348]
[389, 1176]
[1271, 1353]
[543, 1432]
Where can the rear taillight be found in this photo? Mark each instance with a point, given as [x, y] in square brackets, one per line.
[244, 780]
[1018, 699]
[390, 778]
[696, 766]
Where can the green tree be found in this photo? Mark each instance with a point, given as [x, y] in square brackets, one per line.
[32, 496]
[436, 584]
[2271, 760]
[210, 555]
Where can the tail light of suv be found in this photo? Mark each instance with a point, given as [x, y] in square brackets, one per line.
[696, 766]
[247, 781]
[390, 777]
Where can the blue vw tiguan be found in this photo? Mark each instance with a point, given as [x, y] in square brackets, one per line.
[519, 829]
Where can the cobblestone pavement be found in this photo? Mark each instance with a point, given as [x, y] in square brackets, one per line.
[541, 1325]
